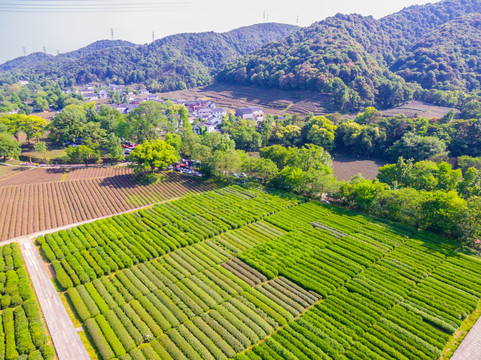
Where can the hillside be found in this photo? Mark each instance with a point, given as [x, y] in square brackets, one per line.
[341, 56]
[174, 62]
[447, 58]
[359, 61]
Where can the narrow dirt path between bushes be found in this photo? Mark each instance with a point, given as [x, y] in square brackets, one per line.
[64, 336]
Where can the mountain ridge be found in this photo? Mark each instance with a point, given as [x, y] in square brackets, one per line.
[174, 62]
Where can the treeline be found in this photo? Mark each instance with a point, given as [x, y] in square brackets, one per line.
[368, 134]
[43, 96]
[425, 195]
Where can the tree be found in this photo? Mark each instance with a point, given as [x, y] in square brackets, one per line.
[319, 131]
[289, 134]
[40, 103]
[68, 125]
[224, 163]
[42, 148]
[9, 147]
[114, 148]
[152, 155]
[148, 120]
[81, 154]
[265, 170]
[175, 140]
[417, 147]
[33, 127]
[443, 212]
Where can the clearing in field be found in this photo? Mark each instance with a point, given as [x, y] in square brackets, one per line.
[241, 273]
[49, 198]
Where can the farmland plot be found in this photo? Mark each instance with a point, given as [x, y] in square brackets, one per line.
[35, 207]
[240, 273]
[22, 332]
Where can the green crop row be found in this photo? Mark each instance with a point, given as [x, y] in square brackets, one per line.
[85, 253]
[22, 333]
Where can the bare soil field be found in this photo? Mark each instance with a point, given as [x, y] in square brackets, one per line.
[32, 176]
[30, 207]
[280, 102]
[345, 166]
[418, 108]
[7, 171]
[44, 175]
[272, 101]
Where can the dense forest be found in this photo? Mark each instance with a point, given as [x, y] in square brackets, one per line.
[174, 62]
[424, 52]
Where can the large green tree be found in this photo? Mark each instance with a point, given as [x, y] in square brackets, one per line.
[153, 155]
[68, 125]
[9, 147]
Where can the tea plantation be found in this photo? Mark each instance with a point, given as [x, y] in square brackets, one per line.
[244, 274]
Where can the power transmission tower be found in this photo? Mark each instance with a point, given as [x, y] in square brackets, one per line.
[264, 17]
[153, 36]
[24, 51]
[112, 33]
[58, 52]
[297, 20]
[44, 49]
[267, 17]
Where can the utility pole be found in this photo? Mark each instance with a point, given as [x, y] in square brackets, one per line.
[24, 51]
[112, 33]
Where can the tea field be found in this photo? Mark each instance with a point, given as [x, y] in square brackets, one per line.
[22, 332]
[236, 273]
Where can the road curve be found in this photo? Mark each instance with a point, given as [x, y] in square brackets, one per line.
[64, 336]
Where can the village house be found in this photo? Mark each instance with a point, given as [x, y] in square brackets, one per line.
[90, 96]
[103, 94]
[144, 92]
[250, 113]
[152, 97]
[219, 112]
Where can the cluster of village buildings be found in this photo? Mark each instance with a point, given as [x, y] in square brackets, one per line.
[209, 117]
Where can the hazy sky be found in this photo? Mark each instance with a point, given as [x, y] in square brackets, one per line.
[65, 25]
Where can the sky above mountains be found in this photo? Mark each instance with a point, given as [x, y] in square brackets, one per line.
[66, 25]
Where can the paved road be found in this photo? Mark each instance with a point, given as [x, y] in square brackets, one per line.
[64, 336]
[470, 348]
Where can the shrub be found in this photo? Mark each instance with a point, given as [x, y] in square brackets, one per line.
[78, 304]
[22, 333]
[110, 335]
[100, 342]
[61, 276]
[120, 330]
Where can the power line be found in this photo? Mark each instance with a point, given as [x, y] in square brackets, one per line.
[82, 6]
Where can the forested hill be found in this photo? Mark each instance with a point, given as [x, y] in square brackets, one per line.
[39, 58]
[359, 61]
[174, 62]
[448, 57]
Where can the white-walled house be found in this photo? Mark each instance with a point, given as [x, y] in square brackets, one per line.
[250, 113]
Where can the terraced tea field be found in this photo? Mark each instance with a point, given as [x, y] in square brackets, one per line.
[236, 273]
